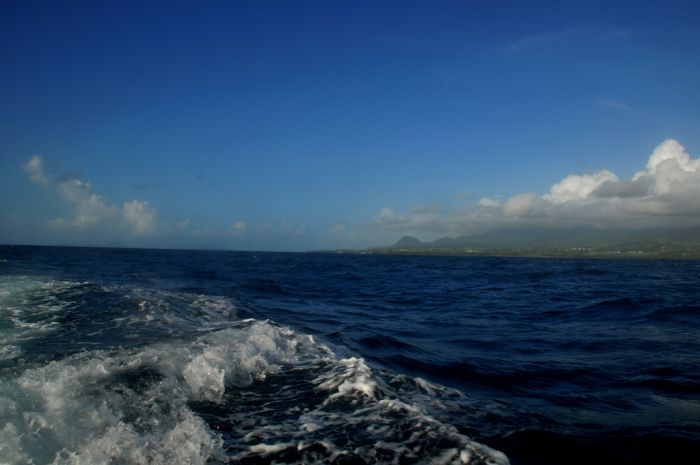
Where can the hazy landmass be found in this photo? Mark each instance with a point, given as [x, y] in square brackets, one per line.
[574, 242]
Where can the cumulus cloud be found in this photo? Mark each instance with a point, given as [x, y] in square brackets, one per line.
[92, 211]
[578, 187]
[664, 195]
[140, 216]
[521, 205]
[35, 169]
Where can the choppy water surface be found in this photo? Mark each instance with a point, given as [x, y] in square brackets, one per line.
[164, 357]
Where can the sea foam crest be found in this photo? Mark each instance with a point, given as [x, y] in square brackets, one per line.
[255, 391]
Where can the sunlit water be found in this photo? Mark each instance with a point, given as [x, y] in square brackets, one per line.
[167, 357]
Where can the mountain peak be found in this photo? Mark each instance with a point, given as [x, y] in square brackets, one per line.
[408, 241]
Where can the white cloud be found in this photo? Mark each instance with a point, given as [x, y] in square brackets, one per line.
[577, 187]
[238, 227]
[672, 177]
[385, 216]
[75, 190]
[340, 228]
[92, 211]
[140, 216]
[182, 225]
[489, 202]
[35, 168]
[521, 205]
[669, 150]
[666, 194]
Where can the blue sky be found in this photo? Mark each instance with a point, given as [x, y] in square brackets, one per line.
[305, 125]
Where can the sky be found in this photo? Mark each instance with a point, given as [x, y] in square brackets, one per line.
[317, 125]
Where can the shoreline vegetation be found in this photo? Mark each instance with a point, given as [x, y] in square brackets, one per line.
[668, 244]
[582, 252]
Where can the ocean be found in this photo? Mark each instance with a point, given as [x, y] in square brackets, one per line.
[126, 356]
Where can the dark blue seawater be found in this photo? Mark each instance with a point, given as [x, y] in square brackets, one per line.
[165, 357]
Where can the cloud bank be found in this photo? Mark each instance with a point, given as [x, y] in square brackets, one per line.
[92, 211]
[98, 221]
[664, 195]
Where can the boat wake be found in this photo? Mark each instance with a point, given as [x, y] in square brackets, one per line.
[252, 392]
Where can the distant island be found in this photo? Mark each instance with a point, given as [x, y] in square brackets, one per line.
[564, 243]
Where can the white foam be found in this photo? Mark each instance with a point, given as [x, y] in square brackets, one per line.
[189, 441]
[134, 406]
[10, 450]
[267, 449]
[205, 376]
[80, 413]
[375, 428]
[28, 309]
[465, 456]
[425, 386]
[9, 351]
[356, 376]
[177, 309]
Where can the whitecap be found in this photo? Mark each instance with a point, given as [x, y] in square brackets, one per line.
[256, 389]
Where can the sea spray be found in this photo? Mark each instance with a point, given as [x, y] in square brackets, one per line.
[217, 398]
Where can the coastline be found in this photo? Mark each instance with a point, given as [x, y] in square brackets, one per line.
[555, 253]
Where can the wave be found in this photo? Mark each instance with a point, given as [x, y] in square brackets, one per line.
[255, 392]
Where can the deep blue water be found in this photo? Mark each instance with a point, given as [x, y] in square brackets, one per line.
[152, 356]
